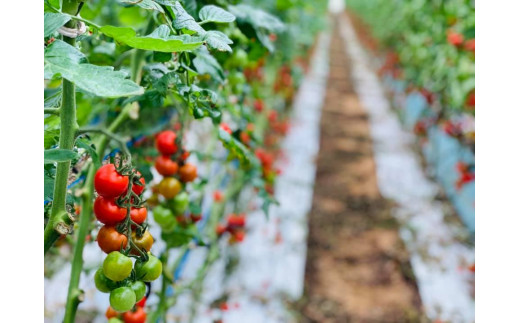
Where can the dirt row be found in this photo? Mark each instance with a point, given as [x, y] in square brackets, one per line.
[357, 267]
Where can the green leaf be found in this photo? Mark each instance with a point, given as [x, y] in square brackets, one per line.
[206, 64]
[58, 155]
[257, 18]
[145, 4]
[91, 150]
[235, 147]
[218, 40]
[215, 14]
[62, 58]
[158, 40]
[183, 20]
[53, 21]
[50, 138]
[48, 187]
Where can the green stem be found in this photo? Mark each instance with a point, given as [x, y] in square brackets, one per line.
[75, 294]
[59, 220]
[55, 111]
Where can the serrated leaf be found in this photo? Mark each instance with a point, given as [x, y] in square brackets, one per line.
[257, 17]
[52, 21]
[58, 155]
[83, 143]
[62, 58]
[145, 4]
[218, 40]
[206, 64]
[157, 41]
[184, 20]
[213, 13]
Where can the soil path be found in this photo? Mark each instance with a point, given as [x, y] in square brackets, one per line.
[357, 268]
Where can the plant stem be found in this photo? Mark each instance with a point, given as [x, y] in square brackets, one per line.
[59, 220]
[75, 295]
[55, 111]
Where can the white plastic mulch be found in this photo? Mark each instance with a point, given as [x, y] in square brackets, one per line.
[438, 258]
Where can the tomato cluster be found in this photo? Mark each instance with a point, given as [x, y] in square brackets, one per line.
[170, 198]
[235, 226]
[124, 236]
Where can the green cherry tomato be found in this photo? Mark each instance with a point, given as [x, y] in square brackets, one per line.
[117, 266]
[103, 284]
[122, 299]
[139, 289]
[115, 320]
[239, 58]
[180, 203]
[150, 270]
[163, 216]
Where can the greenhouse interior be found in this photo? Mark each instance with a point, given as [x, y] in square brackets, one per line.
[258, 161]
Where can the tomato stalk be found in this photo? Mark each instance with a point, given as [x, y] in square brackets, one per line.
[59, 220]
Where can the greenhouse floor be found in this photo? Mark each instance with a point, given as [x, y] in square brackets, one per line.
[357, 266]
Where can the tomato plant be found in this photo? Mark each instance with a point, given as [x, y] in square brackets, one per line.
[128, 84]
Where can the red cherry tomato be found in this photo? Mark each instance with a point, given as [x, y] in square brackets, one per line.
[165, 142]
[165, 166]
[142, 302]
[108, 182]
[137, 189]
[225, 127]
[107, 211]
[139, 316]
[185, 155]
[236, 220]
[195, 217]
[217, 196]
[138, 215]
[110, 240]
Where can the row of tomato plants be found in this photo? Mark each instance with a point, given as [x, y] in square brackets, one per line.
[430, 46]
[126, 84]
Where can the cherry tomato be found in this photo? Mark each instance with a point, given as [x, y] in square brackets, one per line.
[195, 217]
[115, 320]
[188, 172]
[153, 200]
[138, 215]
[103, 284]
[122, 299]
[110, 313]
[110, 240]
[165, 142]
[169, 187]
[144, 242]
[117, 266]
[163, 216]
[141, 303]
[108, 182]
[149, 270]
[180, 203]
[220, 229]
[139, 289]
[236, 220]
[107, 211]
[218, 196]
[138, 189]
[185, 155]
[139, 316]
[165, 166]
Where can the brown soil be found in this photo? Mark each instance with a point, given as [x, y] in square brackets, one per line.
[357, 268]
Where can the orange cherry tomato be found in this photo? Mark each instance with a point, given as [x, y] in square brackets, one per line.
[188, 172]
[110, 240]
